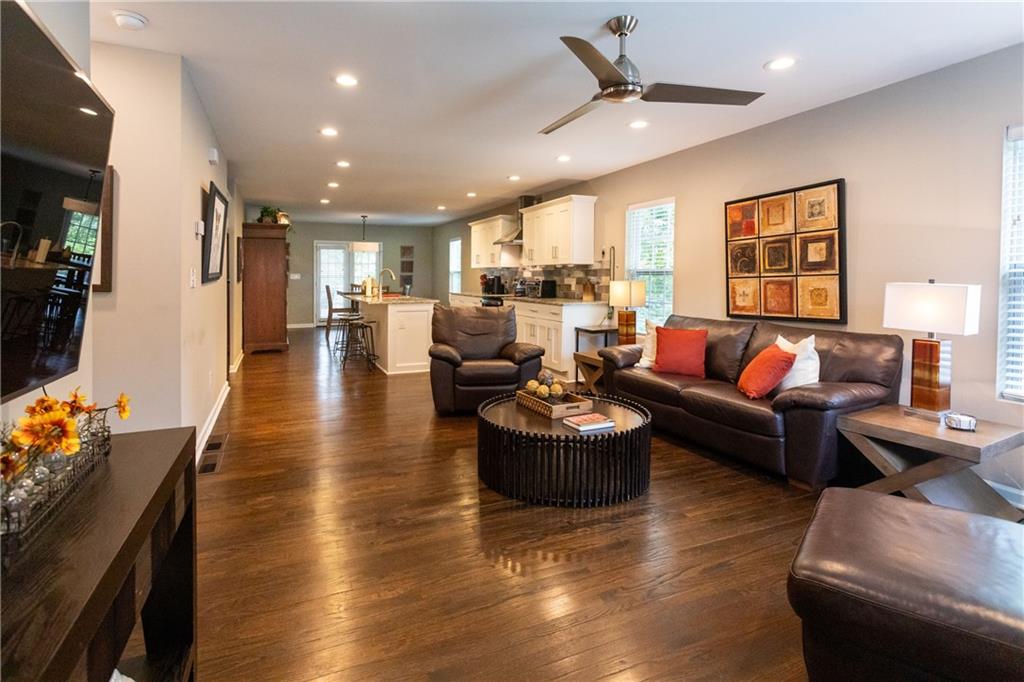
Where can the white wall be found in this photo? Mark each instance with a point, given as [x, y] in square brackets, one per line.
[138, 324]
[923, 166]
[236, 212]
[204, 322]
[68, 22]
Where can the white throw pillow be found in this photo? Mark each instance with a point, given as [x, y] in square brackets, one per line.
[650, 346]
[807, 366]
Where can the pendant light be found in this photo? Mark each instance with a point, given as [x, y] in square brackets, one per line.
[365, 245]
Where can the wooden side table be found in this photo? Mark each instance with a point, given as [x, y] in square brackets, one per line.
[591, 366]
[599, 329]
[929, 462]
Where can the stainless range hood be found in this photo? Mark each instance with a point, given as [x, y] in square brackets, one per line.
[515, 238]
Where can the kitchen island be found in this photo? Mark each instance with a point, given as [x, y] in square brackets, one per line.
[401, 330]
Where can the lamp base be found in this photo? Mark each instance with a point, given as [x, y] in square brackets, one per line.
[931, 375]
[627, 326]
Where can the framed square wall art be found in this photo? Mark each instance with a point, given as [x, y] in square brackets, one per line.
[744, 296]
[787, 259]
[741, 220]
[778, 296]
[777, 256]
[819, 298]
[776, 215]
[743, 258]
[214, 236]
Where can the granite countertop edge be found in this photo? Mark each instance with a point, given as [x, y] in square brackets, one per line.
[530, 299]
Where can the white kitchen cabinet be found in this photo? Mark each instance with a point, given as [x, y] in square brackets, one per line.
[484, 253]
[559, 232]
[552, 326]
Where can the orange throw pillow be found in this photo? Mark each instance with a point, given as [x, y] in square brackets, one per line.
[681, 351]
[765, 372]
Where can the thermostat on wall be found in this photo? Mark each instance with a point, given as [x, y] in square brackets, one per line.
[200, 228]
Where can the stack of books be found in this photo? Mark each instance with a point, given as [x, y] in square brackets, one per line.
[589, 423]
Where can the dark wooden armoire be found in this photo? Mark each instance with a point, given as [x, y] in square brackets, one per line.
[264, 287]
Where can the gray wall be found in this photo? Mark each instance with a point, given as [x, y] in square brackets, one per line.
[300, 260]
[923, 166]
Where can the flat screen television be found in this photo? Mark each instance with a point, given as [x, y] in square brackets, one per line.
[54, 142]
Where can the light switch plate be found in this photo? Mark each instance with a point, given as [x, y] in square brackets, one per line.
[294, 275]
[200, 228]
[192, 277]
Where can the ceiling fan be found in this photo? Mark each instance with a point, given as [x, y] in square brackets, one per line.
[620, 81]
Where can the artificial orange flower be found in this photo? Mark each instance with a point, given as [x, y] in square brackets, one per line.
[76, 405]
[123, 410]
[11, 464]
[42, 405]
[48, 432]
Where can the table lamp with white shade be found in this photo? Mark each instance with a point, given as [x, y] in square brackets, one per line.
[626, 294]
[936, 309]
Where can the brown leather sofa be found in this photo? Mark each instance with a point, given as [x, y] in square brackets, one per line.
[475, 356]
[892, 589]
[792, 433]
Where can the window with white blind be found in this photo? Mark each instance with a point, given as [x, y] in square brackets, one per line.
[455, 265]
[650, 235]
[1011, 273]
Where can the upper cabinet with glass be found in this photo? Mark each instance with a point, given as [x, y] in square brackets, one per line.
[559, 232]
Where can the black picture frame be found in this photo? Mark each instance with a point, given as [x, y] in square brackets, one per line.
[214, 234]
[840, 275]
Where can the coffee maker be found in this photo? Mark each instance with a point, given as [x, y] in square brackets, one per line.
[492, 285]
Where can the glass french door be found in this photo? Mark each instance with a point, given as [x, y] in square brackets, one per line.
[331, 267]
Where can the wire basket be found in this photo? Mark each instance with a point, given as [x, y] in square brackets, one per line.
[33, 497]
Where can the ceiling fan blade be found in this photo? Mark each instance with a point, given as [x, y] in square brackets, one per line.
[693, 94]
[605, 72]
[573, 115]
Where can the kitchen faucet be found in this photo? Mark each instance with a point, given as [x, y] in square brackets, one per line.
[393, 279]
[21, 233]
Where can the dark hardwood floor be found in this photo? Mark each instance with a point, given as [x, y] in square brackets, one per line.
[346, 536]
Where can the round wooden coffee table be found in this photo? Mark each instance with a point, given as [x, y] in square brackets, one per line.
[527, 456]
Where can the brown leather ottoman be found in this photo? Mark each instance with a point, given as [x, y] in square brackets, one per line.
[891, 589]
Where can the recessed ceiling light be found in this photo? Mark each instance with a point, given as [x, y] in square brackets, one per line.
[441, 207]
[325, 201]
[343, 164]
[87, 110]
[329, 132]
[564, 158]
[638, 125]
[81, 74]
[332, 185]
[470, 194]
[346, 80]
[129, 21]
[779, 64]
[513, 178]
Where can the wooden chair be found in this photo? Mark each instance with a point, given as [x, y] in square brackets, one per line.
[340, 315]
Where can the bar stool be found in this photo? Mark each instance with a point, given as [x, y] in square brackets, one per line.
[359, 344]
[340, 316]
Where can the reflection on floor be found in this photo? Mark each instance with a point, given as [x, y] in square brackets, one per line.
[346, 537]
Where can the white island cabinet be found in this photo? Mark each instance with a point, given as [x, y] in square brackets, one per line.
[401, 331]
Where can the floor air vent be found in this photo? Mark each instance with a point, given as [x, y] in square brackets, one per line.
[213, 454]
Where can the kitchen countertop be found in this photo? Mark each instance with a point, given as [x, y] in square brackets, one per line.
[530, 299]
[388, 300]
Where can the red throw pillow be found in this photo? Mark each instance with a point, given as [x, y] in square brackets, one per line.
[765, 372]
[681, 351]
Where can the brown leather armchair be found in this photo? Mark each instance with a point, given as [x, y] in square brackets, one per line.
[475, 356]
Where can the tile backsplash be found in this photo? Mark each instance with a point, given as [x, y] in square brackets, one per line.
[570, 278]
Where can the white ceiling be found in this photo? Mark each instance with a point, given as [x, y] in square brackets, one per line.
[451, 95]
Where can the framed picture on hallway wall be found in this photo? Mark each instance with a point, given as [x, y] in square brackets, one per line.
[786, 254]
[214, 237]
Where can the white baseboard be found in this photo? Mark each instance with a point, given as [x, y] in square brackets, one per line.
[235, 365]
[302, 325]
[211, 420]
[1014, 496]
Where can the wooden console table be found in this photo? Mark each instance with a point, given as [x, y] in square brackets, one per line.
[929, 462]
[122, 548]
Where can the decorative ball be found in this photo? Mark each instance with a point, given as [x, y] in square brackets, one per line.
[532, 385]
[55, 462]
[14, 502]
[546, 377]
[556, 390]
[27, 485]
[543, 391]
[41, 475]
